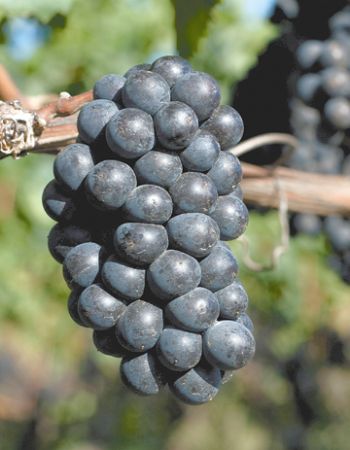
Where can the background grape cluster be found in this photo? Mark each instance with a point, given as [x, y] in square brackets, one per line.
[144, 202]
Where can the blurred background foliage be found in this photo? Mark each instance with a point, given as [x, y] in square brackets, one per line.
[56, 391]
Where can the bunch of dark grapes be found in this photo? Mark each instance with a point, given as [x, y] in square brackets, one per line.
[144, 202]
[320, 118]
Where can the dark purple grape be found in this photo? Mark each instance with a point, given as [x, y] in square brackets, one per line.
[109, 87]
[231, 215]
[228, 345]
[246, 321]
[72, 165]
[308, 53]
[179, 350]
[237, 192]
[176, 124]
[171, 68]
[130, 133]
[233, 300]
[148, 203]
[72, 307]
[93, 118]
[162, 168]
[62, 238]
[122, 280]
[334, 54]
[226, 173]
[173, 274]
[109, 183]
[140, 243]
[308, 86]
[219, 269]
[226, 125]
[337, 112]
[193, 192]
[106, 342]
[199, 91]
[57, 204]
[136, 68]
[145, 90]
[193, 233]
[336, 82]
[202, 152]
[140, 326]
[195, 311]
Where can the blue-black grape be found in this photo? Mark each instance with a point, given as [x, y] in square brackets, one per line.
[72, 306]
[140, 326]
[171, 68]
[337, 112]
[136, 68]
[308, 53]
[231, 215]
[140, 243]
[63, 237]
[93, 118]
[82, 264]
[173, 274]
[336, 82]
[161, 168]
[130, 133]
[107, 343]
[148, 203]
[197, 386]
[202, 152]
[193, 192]
[334, 54]
[142, 374]
[72, 165]
[176, 124]
[233, 300]
[193, 233]
[226, 173]
[109, 87]
[109, 183]
[246, 321]
[179, 350]
[123, 280]
[219, 269]
[226, 125]
[145, 90]
[99, 309]
[195, 311]
[198, 90]
[57, 204]
[228, 345]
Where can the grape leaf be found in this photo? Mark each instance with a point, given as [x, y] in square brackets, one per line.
[41, 9]
[191, 20]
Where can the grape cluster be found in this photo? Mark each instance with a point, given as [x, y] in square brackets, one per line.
[144, 202]
[320, 117]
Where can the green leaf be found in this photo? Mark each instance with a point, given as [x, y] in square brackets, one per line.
[191, 20]
[41, 9]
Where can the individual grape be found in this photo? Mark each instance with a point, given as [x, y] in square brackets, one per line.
[72, 165]
[336, 82]
[199, 91]
[58, 205]
[162, 168]
[82, 264]
[308, 86]
[122, 280]
[307, 223]
[231, 215]
[233, 300]
[98, 309]
[93, 118]
[246, 321]
[197, 386]
[308, 53]
[226, 173]
[202, 152]
[173, 274]
[140, 326]
[179, 350]
[176, 124]
[72, 307]
[109, 183]
[228, 345]
[219, 269]
[195, 311]
[340, 23]
[62, 238]
[226, 125]
[106, 342]
[193, 192]
[142, 374]
[237, 192]
[193, 233]
[130, 133]
[148, 203]
[334, 54]
[338, 232]
[171, 68]
[140, 243]
[337, 112]
[109, 87]
[145, 90]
